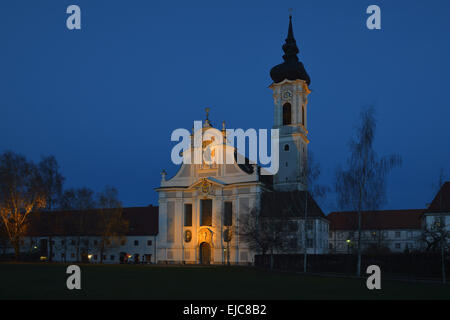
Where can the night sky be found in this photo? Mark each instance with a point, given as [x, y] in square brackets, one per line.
[105, 99]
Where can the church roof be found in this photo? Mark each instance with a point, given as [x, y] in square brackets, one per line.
[289, 204]
[291, 68]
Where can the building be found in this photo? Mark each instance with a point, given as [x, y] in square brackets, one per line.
[56, 236]
[201, 204]
[436, 218]
[391, 230]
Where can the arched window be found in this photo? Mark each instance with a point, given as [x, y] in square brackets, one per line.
[303, 115]
[287, 114]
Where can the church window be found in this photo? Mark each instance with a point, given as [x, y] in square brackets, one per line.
[206, 212]
[170, 221]
[287, 114]
[228, 217]
[188, 215]
[286, 147]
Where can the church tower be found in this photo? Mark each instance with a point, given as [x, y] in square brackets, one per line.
[290, 90]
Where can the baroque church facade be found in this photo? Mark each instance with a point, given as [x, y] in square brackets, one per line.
[200, 207]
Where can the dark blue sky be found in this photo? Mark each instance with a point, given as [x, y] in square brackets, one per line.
[105, 99]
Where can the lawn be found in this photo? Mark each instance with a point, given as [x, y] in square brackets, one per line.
[48, 281]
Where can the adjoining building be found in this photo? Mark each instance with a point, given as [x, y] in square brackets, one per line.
[392, 230]
[438, 212]
[70, 236]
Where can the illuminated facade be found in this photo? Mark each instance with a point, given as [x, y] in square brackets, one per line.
[199, 208]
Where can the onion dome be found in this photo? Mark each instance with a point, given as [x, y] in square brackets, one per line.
[291, 68]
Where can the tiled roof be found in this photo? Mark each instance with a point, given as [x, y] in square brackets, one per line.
[377, 220]
[289, 204]
[142, 221]
[441, 202]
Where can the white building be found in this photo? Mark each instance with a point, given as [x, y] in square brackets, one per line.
[437, 216]
[394, 230]
[55, 237]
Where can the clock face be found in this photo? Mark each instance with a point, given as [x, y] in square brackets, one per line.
[287, 95]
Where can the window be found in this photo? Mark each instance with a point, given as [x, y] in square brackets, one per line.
[122, 242]
[72, 242]
[206, 212]
[398, 245]
[309, 243]
[136, 242]
[287, 114]
[63, 243]
[95, 242]
[188, 215]
[309, 224]
[149, 242]
[228, 216]
[112, 257]
[398, 234]
[286, 147]
[303, 115]
[170, 221]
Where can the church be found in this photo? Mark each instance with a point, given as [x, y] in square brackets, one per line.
[200, 208]
[199, 217]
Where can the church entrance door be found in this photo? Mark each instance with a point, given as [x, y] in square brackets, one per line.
[205, 253]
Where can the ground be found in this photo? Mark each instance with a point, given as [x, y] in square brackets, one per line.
[48, 281]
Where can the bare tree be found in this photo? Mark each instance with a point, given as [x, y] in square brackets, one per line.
[362, 185]
[263, 233]
[111, 224]
[21, 192]
[80, 200]
[311, 172]
[436, 236]
[52, 182]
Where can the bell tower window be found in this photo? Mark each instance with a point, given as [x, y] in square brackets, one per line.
[303, 115]
[287, 114]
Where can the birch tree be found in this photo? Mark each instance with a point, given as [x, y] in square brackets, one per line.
[361, 186]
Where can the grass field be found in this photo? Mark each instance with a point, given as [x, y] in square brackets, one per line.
[48, 281]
